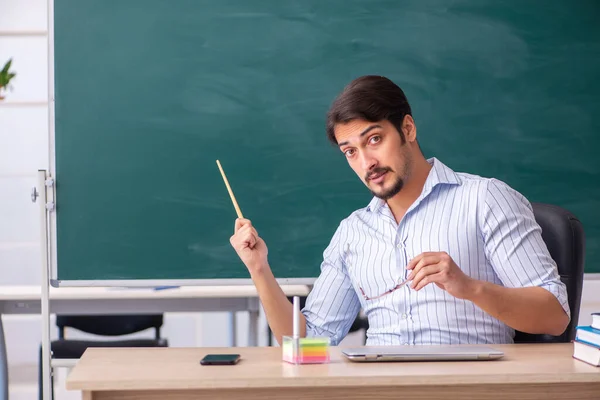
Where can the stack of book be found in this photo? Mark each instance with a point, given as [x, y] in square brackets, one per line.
[586, 346]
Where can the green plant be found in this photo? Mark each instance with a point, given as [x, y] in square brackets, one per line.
[5, 77]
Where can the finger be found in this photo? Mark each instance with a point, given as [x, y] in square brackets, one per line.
[414, 261]
[247, 236]
[425, 260]
[418, 258]
[435, 278]
[242, 236]
[243, 231]
[251, 241]
[240, 222]
[423, 273]
[255, 234]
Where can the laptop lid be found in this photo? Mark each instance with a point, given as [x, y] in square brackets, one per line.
[422, 353]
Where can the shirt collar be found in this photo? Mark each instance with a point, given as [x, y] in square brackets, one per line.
[439, 174]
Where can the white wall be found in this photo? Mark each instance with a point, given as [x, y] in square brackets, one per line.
[24, 150]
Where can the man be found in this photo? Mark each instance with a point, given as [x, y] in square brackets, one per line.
[469, 247]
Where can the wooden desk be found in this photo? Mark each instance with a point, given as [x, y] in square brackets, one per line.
[544, 371]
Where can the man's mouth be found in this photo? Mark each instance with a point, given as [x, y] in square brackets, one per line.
[377, 177]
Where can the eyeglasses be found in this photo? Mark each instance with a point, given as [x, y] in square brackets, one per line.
[398, 286]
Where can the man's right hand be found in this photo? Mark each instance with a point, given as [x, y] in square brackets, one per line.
[253, 252]
[251, 249]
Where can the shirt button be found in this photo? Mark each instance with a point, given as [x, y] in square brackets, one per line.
[404, 316]
[400, 246]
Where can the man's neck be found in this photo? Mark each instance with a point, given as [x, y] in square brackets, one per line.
[412, 189]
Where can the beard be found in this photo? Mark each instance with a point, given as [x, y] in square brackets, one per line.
[398, 184]
[386, 194]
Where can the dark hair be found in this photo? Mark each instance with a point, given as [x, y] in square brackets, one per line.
[372, 98]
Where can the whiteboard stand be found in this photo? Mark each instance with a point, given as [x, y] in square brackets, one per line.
[46, 206]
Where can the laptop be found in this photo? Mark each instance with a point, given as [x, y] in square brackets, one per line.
[421, 353]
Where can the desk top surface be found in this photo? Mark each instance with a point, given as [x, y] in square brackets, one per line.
[27, 293]
[261, 367]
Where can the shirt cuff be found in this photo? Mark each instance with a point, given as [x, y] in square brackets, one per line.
[314, 331]
[559, 291]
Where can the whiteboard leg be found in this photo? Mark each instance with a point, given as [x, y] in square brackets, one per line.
[46, 368]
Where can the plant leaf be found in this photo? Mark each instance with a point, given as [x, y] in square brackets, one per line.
[7, 66]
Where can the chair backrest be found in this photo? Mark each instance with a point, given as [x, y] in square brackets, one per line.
[110, 325]
[564, 236]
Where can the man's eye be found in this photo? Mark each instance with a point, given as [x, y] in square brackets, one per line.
[349, 152]
[375, 139]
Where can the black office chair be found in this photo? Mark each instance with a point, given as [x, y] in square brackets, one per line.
[104, 325]
[564, 236]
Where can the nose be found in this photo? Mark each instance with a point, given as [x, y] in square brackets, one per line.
[367, 161]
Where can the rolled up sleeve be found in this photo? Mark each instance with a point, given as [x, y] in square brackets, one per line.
[514, 244]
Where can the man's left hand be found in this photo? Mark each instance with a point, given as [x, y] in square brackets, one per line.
[439, 268]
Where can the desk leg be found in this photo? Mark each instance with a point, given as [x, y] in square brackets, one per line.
[253, 315]
[3, 365]
[252, 328]
[232, 330]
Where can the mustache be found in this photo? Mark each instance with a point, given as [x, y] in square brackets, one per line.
[377, 171]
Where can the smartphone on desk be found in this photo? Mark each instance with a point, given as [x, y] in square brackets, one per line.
[220, 359]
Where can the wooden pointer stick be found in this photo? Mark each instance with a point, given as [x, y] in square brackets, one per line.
[235, 204]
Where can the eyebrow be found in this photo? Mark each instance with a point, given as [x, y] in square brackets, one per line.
[363, 133]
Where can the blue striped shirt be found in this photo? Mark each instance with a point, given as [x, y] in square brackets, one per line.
[487, 228]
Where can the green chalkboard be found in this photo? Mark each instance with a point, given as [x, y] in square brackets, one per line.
[149, 93]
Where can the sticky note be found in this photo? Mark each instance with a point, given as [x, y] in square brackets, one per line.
[312, 350]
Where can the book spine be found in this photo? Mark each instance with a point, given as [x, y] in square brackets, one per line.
[585, 361]
[587, 343]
